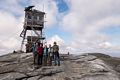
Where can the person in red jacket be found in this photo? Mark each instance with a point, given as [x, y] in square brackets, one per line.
[40, 53]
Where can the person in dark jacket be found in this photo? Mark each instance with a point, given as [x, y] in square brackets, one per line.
[40, 53]
[56, 54]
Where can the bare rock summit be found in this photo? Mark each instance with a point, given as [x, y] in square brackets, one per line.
[82, 67]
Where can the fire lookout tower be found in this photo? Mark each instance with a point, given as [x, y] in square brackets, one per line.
[34, 21]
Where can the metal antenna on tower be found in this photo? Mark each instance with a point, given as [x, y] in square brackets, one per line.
[43, 7]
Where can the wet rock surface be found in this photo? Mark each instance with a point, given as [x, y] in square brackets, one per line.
[82, 67]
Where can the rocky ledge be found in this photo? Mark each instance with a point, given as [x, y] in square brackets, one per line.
[19, 66]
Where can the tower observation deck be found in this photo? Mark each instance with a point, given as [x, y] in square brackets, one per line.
[33, 21]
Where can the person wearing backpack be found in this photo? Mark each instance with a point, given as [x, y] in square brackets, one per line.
[56, 54]
[40, 53]
[34, 50]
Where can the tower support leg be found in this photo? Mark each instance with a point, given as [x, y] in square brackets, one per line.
[24, 34]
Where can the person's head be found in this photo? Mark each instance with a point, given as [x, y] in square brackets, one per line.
[40, 44]
[49, 45]
[35, 43]
[55, 43]
[45, 45]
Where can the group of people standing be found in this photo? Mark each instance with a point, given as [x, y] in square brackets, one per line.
[44, 55]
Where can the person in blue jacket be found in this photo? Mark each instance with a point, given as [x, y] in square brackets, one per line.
[34, 50]
[45, 55]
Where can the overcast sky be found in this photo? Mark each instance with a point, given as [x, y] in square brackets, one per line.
[78, 26]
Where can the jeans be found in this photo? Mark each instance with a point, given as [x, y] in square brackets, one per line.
[35, 57]
[45, 60]
[56, 58]
[39, 59]
[50, 56]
